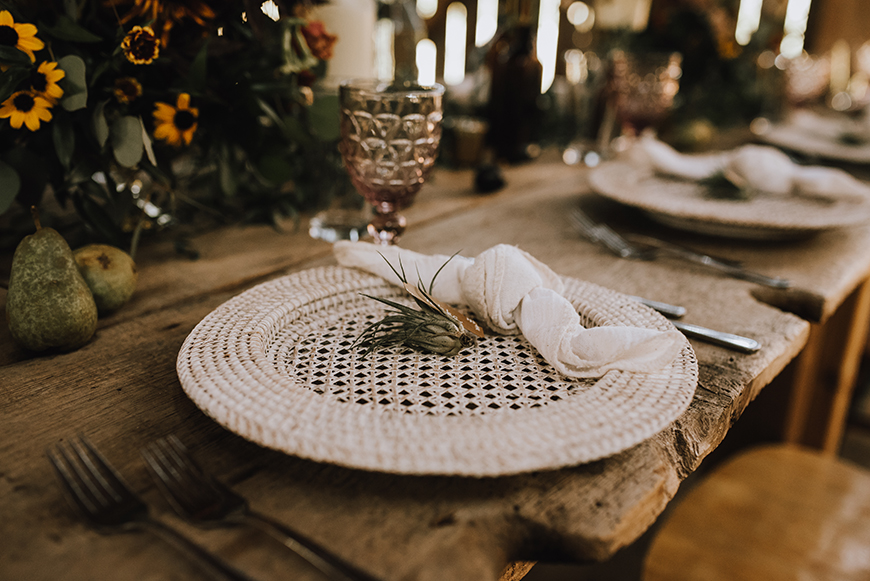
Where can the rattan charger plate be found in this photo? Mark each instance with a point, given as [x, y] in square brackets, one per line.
[825, 140]
[688, 205]
[275, 365]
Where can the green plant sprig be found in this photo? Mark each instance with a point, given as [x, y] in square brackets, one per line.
[432, 328]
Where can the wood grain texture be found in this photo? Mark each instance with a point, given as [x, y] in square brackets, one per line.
[122, 391]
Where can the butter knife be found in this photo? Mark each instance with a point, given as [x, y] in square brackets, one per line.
[721, 338]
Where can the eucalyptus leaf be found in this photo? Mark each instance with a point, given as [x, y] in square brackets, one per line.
[74, 84]
[227, 179]
[12, 56]
[64, 138]
[101, 126]
[10, 183]
[324, 117]
[126, 138]
[9, 81]
[196, 76]
[146, 143]
[65, 29]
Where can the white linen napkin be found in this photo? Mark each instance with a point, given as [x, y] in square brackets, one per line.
[512, 292]
[755, 167]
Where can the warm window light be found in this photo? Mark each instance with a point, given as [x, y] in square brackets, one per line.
[427, 8]
[455, 31]
[426, 53]
[270, 9]
[385, 63]
[548, 40]
[487, 21]
[748, 20]
[796, 15]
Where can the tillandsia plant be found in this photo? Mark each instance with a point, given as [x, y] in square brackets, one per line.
[435, 327]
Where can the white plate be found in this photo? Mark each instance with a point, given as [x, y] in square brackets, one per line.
[689, 206]
[820, 136]
[276, 365]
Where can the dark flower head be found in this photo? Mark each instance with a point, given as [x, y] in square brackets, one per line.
[127, 89]
[141, 46]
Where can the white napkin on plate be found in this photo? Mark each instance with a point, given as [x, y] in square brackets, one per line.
[512, 292]
[755, 167]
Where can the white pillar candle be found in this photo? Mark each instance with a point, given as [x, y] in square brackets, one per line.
[353, 21]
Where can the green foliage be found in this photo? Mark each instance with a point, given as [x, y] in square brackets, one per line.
[260, 148]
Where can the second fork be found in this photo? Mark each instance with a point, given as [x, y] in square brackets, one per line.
[204, 501]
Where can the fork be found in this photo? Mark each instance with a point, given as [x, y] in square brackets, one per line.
[97, 490]
[205, 501]
[647, 248]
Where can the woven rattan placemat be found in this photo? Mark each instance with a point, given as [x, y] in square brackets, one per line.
[688, 205]
[275, 365]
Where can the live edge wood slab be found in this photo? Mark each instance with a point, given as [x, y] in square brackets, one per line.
[121, 390]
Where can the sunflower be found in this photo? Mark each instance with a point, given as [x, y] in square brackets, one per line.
[166, 13]
[127, 89]
[141, 46]
[175, 124]
[43, 81]
[21, 36]
[25, 107]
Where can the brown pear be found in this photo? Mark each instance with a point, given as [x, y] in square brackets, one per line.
[48, 304]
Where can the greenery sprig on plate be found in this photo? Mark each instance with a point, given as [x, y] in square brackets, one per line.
[436, 327]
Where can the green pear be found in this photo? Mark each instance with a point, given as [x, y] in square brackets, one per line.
[109, 272]
[48, 304]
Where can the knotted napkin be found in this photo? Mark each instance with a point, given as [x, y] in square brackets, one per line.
[512, 292]
[757, 168]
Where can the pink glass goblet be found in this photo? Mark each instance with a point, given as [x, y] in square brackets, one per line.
[644, 86]
[389, 141]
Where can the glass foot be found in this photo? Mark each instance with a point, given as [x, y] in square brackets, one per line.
[386, 228]
[338, 224]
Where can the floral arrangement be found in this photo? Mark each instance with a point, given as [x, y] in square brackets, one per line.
[133, 115]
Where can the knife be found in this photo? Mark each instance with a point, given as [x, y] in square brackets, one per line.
[729, 340]
[729, 267]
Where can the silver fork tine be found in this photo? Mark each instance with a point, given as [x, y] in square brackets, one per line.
[110, 480]
[71, 479]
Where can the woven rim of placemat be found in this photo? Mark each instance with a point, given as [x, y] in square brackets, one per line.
[687, 200]
[275, 365]
[799, 139]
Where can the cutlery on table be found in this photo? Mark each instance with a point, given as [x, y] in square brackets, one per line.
[647, 248]
[721, 338]
[97, 490]
[203, 500]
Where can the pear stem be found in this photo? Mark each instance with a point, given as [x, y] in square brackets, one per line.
[35, 213]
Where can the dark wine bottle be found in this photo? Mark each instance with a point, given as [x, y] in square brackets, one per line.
[512, 110]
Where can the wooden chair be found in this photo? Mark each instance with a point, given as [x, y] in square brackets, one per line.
[772, 513]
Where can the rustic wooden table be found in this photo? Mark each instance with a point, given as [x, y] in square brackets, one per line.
[121, 390]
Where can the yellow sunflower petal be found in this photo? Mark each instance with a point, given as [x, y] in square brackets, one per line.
[53, 92]
[32, 121]
[193, 111]
[17, 119]
[164, 112]
[167, 132]
[183, 101]
[187, 135]
[7, 109]
[25, 29]
[6, 18]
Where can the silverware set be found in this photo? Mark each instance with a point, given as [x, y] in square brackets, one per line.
[98, 491]
[640, 247]
[647, 248]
